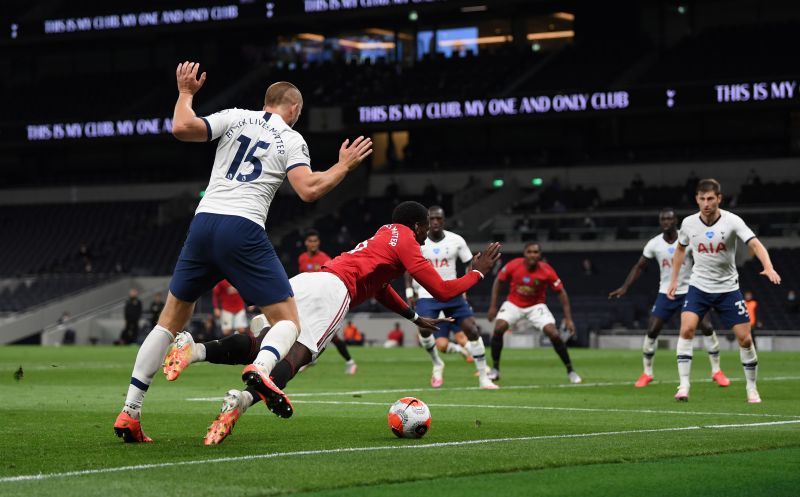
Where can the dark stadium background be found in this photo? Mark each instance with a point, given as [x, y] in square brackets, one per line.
[569, 123]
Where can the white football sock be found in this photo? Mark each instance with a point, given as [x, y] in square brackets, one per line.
[199, 352]
[429, 344]
[684, 353]
[148, 361]
[247, 400]
[711, 343]
[648, 351]
[258, 323]
[750, 364]
[275, 345]
[478, 351]
[454, 348]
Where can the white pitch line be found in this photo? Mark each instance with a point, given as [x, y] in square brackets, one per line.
[547, 408]
[139, 467]
[461, 389]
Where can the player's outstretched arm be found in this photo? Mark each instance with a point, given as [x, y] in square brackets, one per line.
[761, 252]
[442, 290]
[186, 126]
[563, 298]
[677, 262]
[633, 275]
[313, 185]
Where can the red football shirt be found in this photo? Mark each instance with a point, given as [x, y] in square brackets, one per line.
[372, 264]
[227, 297]
[528, 287]
[312, 263]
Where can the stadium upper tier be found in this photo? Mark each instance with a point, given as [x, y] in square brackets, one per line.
[727, 53]
[123, 76]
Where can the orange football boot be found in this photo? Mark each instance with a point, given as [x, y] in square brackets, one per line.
[223, 425]
[643, 381]
[273, 397]
[129, 429]
[721, 379]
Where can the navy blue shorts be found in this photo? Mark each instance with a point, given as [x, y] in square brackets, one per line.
[457, 308]
[729, 305]
[664, 308]
[234, 248]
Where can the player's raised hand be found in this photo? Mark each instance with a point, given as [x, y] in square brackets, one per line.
[351, 154]
[619, 292]
[431, 324]
[485, 261]
[772, 275]
[186, 74]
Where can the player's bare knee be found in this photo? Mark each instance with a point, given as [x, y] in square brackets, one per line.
[654, 328]
[500, 327]
[176, 314]
[282, 311]
[743, 335]
[298, 356]
[470, 329]
[554, 337]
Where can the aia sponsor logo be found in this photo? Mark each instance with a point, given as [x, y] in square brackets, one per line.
[702, 248]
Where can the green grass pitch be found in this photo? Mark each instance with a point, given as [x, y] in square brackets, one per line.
[536, 436]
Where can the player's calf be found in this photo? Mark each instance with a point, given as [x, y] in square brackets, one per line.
[497, 348]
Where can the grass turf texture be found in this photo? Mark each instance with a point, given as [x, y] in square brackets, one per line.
[542, 435]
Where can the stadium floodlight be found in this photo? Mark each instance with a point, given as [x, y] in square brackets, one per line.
[551, 35]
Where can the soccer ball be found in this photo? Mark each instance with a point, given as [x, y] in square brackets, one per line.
[409, 418]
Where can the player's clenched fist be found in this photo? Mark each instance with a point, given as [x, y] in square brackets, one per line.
[186, 74]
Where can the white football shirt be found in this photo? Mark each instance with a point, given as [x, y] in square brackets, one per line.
[714, 249]
[442, 255]
[255, 151]
[661, 251]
